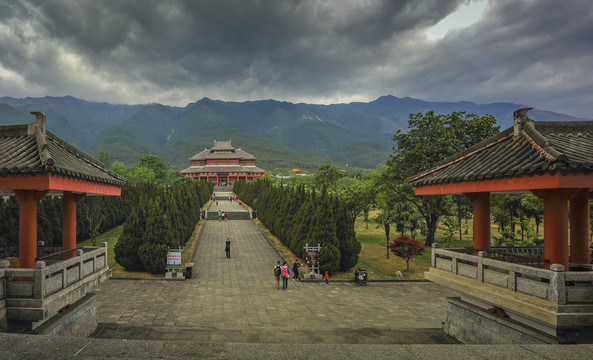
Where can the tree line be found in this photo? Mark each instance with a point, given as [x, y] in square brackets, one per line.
[164, 217]
[298, 216]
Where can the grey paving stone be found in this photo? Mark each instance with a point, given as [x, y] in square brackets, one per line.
[561, 351]
[379, 352]
[311, 351]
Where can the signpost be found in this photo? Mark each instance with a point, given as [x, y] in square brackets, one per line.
[312, 259]
[174, 262]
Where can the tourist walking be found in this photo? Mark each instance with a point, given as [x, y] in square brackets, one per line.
[227, 248]
[295, 269]
[285, 276]
[277, 272]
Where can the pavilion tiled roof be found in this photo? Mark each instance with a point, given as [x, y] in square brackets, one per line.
[223, 169]
[31, 150]
[529, 148]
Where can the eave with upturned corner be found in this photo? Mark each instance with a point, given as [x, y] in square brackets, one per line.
[551, 288]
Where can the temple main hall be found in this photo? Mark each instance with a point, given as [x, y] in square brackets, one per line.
[222, 165]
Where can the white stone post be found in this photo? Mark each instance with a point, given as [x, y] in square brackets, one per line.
[433, 255]
[481, 256]
[38, 286]
[557, 291]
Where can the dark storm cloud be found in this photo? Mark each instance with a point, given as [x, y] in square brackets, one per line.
[538, 53]
[317, 51]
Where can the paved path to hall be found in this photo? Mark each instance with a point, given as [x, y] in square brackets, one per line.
[236, 300]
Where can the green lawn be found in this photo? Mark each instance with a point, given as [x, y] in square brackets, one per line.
[110, 237]
[373, 254]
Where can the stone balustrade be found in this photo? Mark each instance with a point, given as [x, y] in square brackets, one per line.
[555, 285]
[36, 294]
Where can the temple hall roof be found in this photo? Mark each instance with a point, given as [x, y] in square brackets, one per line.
[529, 148]
[223, 169]
[223, 150]
[32, 150]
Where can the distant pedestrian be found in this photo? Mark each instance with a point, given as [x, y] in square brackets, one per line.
[226, 216]
[277, 272]
[356, 273]
[219, 215]
[326, 277]
[285, 276]
[216, 202]
[227, 248]
[295, 269]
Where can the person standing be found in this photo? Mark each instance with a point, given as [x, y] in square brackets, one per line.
[326, 277]
[219, 215]
[285, 276]
[277, 272]
[227, 248]
[295, 269]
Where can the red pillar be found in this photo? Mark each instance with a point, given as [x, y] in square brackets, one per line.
[579, 228]
[69, 201]
[556, 225]
[481, 202]
[28, 225]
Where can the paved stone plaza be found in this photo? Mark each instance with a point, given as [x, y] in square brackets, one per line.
[236, 300]
[231, 309]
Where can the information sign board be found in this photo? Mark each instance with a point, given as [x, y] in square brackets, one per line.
[174, 257]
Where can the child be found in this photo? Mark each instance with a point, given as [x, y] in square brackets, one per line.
[326, 277]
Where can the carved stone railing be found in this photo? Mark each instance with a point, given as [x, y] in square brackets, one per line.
[36, 294]
[554, 285]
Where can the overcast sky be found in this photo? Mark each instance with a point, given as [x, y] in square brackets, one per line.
[538, 53]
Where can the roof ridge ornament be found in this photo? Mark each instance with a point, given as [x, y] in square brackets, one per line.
[39, 120]
[521, 119]
[40, 133]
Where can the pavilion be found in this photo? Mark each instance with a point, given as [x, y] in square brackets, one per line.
[35, 163]
[549, 292]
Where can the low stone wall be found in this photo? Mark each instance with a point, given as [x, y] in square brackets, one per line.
[474, 325]
[237, 215]
[78, 321]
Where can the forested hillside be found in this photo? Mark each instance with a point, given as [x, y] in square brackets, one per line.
[281, 135]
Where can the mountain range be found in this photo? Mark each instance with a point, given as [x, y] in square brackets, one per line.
[282, 135]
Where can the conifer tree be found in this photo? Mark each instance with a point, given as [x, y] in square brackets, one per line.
[126, 248]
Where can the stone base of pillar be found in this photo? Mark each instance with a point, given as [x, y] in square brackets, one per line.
[475, 324]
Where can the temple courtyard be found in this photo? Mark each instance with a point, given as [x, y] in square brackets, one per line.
[231, 308]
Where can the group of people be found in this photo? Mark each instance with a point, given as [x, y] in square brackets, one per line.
[223, 215]
[283, 272]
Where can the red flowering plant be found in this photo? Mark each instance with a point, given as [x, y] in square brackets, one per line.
[406, 247]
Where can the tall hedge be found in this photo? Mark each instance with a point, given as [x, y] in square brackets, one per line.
[163, 217]
[297, 217]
